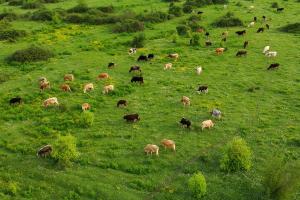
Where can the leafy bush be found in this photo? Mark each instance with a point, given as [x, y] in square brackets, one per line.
[237, 156]
[10, 16]
[43, 15]
[31, 5]
[291, 28]
[87, 119]
[65, 150]
[228, 20]
[11, 34]
[8, 187]
[195, 41]
[129, 26]
[187, 8]
[197, 185]
[31, 54]
[175, 10]
[182, 29]
[154, 17]
[274, 5]
[15, 3]
[80, 8]
[106, 9]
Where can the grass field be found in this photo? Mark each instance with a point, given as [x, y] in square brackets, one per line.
[112, 164]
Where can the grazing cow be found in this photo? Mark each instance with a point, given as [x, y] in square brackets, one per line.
[51, 101]
[216, 113]
[168, 144]
[132, 117]
[139, 79]
[220, 50]
[271, 54]
[68, 77]
[135, 68]
[268, 26]
[185, 101]
[132, 51]
[251, 24]
[243, 32]
[150, 56]
[168, 66]
[44, 85]
[142, 58]
[107, 89]
[280, 9]
[255, 19]
[103, 76]
[207, 124]
[266, 48]
[174, 56]
[42, 79]
[122, 103]
[273, 66]
[198, 70]
[260, 30]
[246, 44]
[200, 12]
[44, 151]
[65, 87]
[111, 65]
[151, 148]
[85, 106]
[88, 87]
[185, 122]
[15, 100]
[202, 89]
[241, 53]
[208, 43]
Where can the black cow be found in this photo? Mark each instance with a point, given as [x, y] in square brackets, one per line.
[44, 151]
[132, 118]
[185, 122]
[16, 100]
[142, 58]
[241, 53]
[200, 12]
[267, 25]
[137, 79]
[150, 56]
[207, 34]
[208, 43]
[264, 18]
[111, 65]
[135, 68]
[122, 103]
[241, 32]
[260, 30]
[273, 66]
[255, 19]
[203, 89]
[280, 9]
[246, 44]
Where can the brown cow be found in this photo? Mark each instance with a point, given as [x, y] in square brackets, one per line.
[69, 77]
[168, 144]
[186, 101]
[85, 106]
[65, 87]
[44, 151]
[220, 50]
[88, 87]
[103, 76]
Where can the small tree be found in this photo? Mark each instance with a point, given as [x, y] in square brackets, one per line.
[182, 29]
[195, 40]
[138, 41]
[175, 10]
[87, 119]
[237, 156]
[197, 185]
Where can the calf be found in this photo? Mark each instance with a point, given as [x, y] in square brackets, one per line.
[122, 103]
[216, 113]
[185, 101]
[246, 44]
[137, 79]
[280, 9]
[241, 53]
[111, 65]
[132, 51]
[168, 66]
[174, 56]
[273, 66]
[185, 122]
[107, 89]
[85, 106]
[243, 32]
[16, 100]
[168, 144]
[88, 87]
[68, 77]
[51, 101]
[135, 68]
[260, 30]
[151, 148]
[44, 85]
[271, 54]
[207, 124]
[150, 56]
[103, 76]
[142, 58]
[203, 89]
[65, 87]
[132, 118]
[44, 151]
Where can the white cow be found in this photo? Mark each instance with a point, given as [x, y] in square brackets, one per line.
[271, 54]
[251, 24]
[267, 48]
[199, 70]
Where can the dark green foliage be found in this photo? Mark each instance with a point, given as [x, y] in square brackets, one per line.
[175, 10]
[106, 9]
[15, 2]
[129, 26]
[274, 5]
[43, 15]
[138, 41]
[11, 34]
[8, 16]
[154, 17]
[228, 20]
[31, 5]
[182, 29]
[187, 8]
[201, 3]
[197, 185]
[195, 40]
[31, 54]
[80, 8]
[291, 28]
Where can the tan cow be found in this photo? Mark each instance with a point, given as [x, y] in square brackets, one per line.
[103, 76]
[168, 66]
[186, 101]
[168, 144]
[44, 85]
[50, 101]
[88, 87]
[207, 124]
[151, 148]
[69, 77]
[174, 56]
[107, 89]
[85, 106]
[220, 50]
[65, 87]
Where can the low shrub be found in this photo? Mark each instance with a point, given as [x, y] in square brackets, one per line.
[10, 16]
[43, 15]
[187, 8]
[31, 54]
[154, 17]
[87, 119]
[197, 185]
[291, 28]
[11, 34]
[228, 20]
[15, 3]
[236, 156]
[182, 29]
[106, 9]
[129, 26]
[175, 10]
[31, 5]
[195, 40]
[80, 8]
[138, 41]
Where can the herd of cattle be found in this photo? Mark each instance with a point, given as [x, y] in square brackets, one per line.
[167, 143]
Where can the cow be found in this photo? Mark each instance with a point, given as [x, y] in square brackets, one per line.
[200, 12]
[243, 32]
[264, 18]
[260, 30]
[137, 79]
[241, 53]
[103, 76]
[207, 34]
[44, 85]
[255, 19]
[279, 9]
[271, 54]
[251, 24]
[246, 44]
[135, 68]
[268, 26]
[68, 77]
[44, 151]
[216, 113]
[122, 103]
[107, 89]
[266, 48]
[65, 87]
[132, 117]
[150, 56]
[15, 100]
[273, 66]
[174, 56]
[199, 70]
[207, 124]
[151, 148]
[142, 58]
[202, 89]
[220, 50]
[168, 66]
[185, 122]
[224, 39]
[111, 65]
[51, 101]
[85, 106]
[42, 79]
[132, 51]
[208, 43]
[185, 101]
[88, 87]
[168, 144]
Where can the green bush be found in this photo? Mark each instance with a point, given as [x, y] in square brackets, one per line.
[175, 10]
[195, 41]
[65, 150]
[10, 16]
[236, 156]
[80, 8]
[138, 41]
[87, 119]
[274, 5]
[187, 8]
[15, 3]
[129, 26]
[43, 15]
[11, 34]
[291, 28]
[106, 9]
[197, 185]
[31, 5]
[182, 30]
[154, 17]
[31, 54]
[8, 187]
[228, 20]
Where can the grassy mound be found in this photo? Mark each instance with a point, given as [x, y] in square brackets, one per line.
[291, 28]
